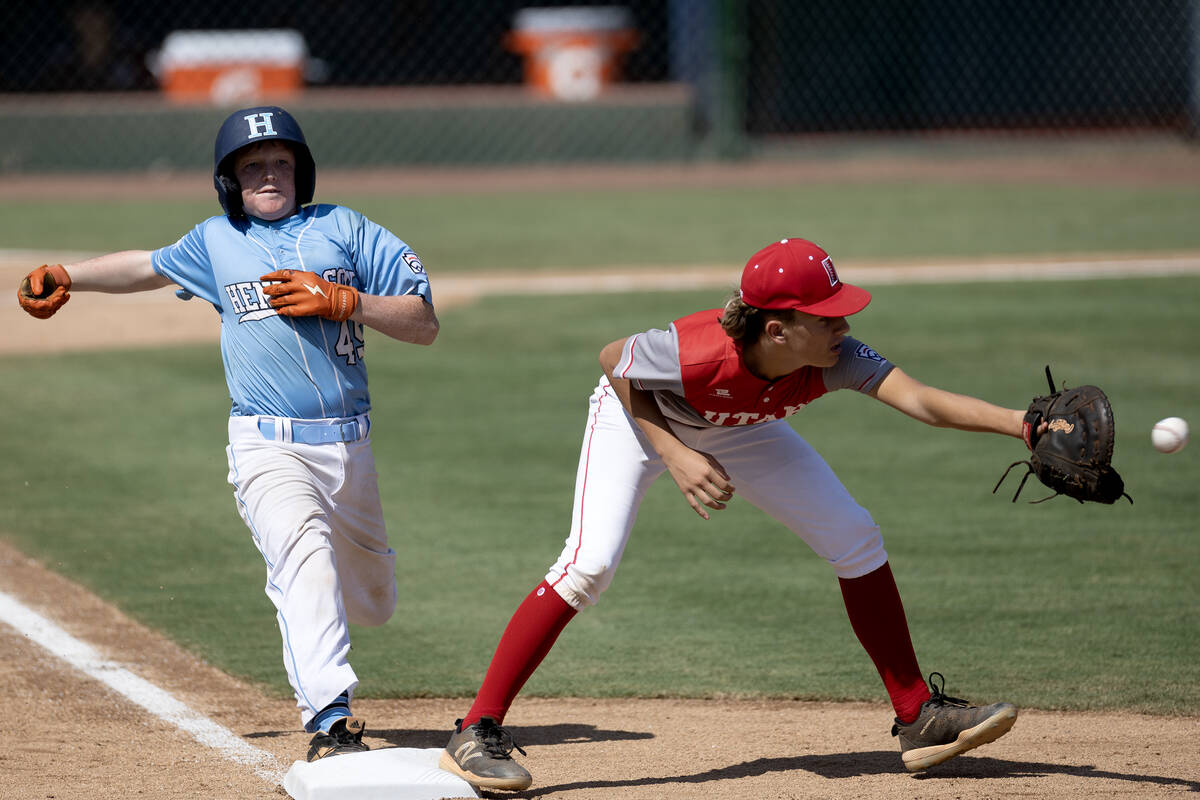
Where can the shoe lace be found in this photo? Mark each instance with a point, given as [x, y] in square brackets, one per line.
[497, 741]
[938, 696]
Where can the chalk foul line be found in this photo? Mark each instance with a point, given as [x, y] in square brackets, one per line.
[139, 691]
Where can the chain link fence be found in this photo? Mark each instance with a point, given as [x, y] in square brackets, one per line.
[125, 85]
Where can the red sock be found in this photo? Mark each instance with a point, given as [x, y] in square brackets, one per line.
[529, 636]
[877, 616]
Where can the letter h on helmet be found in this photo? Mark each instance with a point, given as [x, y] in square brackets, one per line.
[251, 126]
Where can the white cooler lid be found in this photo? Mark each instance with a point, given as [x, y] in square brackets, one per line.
[271, 46]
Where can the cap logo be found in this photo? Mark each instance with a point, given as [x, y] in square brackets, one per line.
[260, 124]
[827, 263]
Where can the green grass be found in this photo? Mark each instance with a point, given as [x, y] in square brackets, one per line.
[115, 475]
[549, 229]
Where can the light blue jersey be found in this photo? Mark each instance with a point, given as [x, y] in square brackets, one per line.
[302, 367]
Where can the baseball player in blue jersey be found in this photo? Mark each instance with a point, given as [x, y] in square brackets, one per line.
[294, 286]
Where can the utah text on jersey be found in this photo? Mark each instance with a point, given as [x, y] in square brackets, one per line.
[727, 418]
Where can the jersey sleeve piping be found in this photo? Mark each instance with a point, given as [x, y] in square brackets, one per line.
[874, 378]
[627, 357]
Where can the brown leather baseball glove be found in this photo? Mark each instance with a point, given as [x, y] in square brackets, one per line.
[1074, 455]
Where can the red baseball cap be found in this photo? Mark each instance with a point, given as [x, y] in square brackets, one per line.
[795, 273]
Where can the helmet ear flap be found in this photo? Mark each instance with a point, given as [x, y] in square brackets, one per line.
[229, 192]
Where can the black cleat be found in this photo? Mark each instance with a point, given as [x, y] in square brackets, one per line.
[345, 736]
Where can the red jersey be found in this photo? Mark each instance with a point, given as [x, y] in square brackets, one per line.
[698, 375]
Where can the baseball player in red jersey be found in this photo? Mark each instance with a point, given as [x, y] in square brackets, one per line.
[706, 401]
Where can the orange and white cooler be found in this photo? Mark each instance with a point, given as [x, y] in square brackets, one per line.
[232, 66]
[572, 53]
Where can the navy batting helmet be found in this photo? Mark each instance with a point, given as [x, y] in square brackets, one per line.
[250, 126]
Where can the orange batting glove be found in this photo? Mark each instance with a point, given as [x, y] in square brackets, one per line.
[44, 291]
[307, 294]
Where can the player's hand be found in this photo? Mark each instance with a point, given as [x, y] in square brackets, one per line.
[44, 291]
[701, 478]
[307, 294]
[1031, 440]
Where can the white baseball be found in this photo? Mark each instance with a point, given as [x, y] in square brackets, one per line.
[1169, 435]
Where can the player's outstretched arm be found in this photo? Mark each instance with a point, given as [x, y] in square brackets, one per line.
[47, 289]
[943, 409]
[699, 476]
[116, 273]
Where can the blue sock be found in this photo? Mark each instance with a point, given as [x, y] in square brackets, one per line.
[330, 714]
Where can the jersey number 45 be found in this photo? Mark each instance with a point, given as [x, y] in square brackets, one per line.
[350, 342]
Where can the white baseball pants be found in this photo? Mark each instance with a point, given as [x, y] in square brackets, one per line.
[315, 515]
[770, 465]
